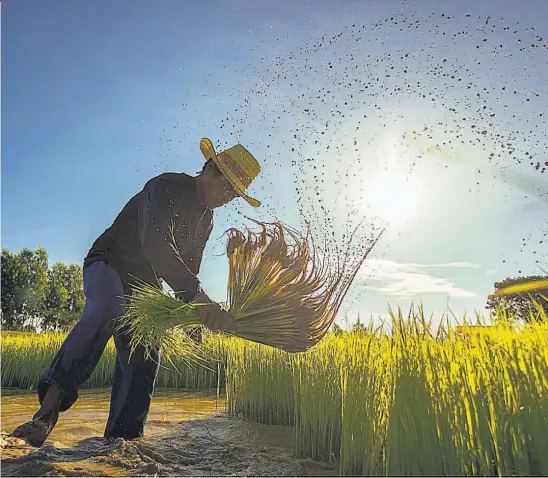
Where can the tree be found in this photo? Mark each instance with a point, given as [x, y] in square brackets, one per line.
[359, 327]
[24, 282]
[335, 329]
[64, 297]
[9, 288]
[75, 287]
[34, 295]
[519, 305]
[56, 297]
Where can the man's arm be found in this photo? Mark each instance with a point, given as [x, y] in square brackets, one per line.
[161, 219]
[213, 316]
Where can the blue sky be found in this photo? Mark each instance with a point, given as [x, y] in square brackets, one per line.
[97, 97]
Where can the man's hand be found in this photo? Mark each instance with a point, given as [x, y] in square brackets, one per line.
[213, 316]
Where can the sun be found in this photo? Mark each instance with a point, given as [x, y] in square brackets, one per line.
[393, 196]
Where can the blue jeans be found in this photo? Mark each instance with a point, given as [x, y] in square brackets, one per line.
[134, 378]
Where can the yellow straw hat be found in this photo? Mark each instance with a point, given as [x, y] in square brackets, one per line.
[237, 165]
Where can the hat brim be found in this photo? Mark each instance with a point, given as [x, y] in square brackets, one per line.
[208, 150]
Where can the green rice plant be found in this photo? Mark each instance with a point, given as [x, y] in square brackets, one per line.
[366, 391]
[318, 401]
[157, 319]
[411, 411]
[250, 363]
[410, 400]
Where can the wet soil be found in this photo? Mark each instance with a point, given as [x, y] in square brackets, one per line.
[187, 434]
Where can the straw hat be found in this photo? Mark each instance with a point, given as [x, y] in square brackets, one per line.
[237, 165]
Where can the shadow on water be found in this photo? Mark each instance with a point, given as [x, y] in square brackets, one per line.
[188, 433]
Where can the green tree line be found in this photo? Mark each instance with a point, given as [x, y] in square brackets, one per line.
[36, 296]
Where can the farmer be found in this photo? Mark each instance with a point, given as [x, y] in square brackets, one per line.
[173, 211]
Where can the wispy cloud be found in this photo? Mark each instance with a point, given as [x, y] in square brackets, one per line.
[409, 279]
[489, 272]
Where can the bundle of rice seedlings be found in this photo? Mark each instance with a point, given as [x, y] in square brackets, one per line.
[283, 291]
[156, 318]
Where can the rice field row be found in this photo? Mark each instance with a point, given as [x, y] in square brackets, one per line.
[406, 403]
[25, 356]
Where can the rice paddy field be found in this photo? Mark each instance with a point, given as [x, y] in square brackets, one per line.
[405, 401]
[26, 356]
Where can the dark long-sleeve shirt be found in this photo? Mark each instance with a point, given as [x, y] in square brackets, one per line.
[160, 233]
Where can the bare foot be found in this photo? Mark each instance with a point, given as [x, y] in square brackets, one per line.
[36, 432]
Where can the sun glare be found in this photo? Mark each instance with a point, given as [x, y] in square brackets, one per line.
[394, 196]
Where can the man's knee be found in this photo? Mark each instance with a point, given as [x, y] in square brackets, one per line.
[103, 311]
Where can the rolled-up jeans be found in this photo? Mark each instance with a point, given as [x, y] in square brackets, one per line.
[134, 377]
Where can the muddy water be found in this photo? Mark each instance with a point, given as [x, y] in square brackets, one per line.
[187, 434]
